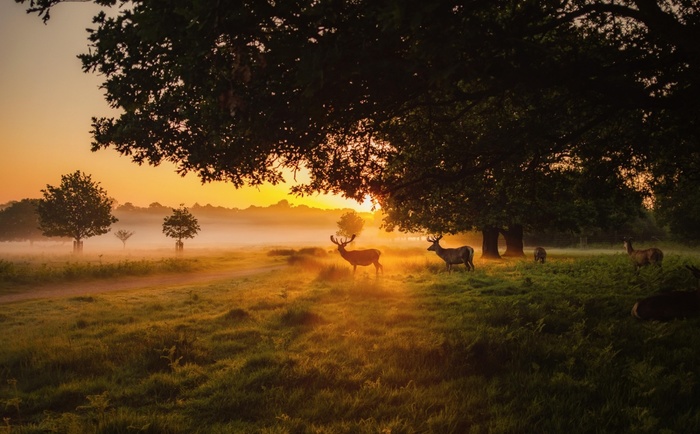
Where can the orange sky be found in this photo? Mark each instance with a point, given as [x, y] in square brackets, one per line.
[46, 103]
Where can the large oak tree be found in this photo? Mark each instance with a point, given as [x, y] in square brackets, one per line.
[466, 100]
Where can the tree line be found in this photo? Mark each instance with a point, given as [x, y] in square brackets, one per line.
[21, 221]
[77, 209]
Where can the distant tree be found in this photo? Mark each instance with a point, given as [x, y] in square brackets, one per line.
[127, 206]
[20, 222]
[79, 208]
[350, 223]
[123, 235]
[181, 224]
[156, 207]
[677, 202]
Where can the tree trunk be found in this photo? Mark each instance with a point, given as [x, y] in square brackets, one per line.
[489, 246]
[77, 246]
[514, 241]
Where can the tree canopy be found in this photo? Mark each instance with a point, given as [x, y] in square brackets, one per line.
[350, 223]
[486, 103]
[180, 224]
[78, 208]
[20, 221]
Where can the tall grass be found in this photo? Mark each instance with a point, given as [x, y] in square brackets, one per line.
[32, 273]
[512, 347]
[33, 270]
[17, 271]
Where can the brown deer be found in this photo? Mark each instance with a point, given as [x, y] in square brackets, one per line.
[642, 258]
[461, 255]
[358, 257]
[540, 254]
[666, 306]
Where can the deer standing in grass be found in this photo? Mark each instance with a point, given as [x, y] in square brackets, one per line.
[540, 254]
[669, 305]
[358, 257]
[461, 255]
[642, 258]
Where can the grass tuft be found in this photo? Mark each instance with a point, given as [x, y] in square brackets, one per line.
[334, 273]
[236, 315]
[300, 315]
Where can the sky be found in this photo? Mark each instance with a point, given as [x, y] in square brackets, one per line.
[46, 106]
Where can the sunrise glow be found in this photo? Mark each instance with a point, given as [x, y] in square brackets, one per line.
[46, 105]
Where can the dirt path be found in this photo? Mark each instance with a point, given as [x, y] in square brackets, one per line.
[73, 289]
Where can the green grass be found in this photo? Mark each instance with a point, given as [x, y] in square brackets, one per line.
[20, 272]
[512, 347]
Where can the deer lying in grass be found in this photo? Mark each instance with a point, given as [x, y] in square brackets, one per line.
[461, 255]
[358, 257]
[669, 305]
[642, 258]
[540, 254]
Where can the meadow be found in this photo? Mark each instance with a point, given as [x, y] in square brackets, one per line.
[512, 347]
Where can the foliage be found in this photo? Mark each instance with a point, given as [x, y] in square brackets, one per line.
[79, 208]
[512, 347]
[465, 103]
[350, 223]
[181, 224]
[678, 201]
[20, 221]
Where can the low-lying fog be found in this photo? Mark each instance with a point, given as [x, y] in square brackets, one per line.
[145, 238]
[220, 228]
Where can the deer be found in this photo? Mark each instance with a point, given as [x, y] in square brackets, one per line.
[642, 258]
[666, 306]
[461, 255]
[358, 257]
[540, 254]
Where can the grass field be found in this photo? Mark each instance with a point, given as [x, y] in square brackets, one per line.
[514, 347]
[21, 270]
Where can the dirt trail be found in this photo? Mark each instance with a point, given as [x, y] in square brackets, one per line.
[73, 289]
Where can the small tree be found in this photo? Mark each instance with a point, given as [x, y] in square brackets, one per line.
[350, 223]
[181, 224]
[79, 208]
[123, 235]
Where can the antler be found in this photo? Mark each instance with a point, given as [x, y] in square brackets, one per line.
[343, 242]
[433, 239]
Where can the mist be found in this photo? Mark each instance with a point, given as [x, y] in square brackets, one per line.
[220, 228]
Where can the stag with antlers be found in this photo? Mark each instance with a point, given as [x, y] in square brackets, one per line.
[461, 255]
[358, 257]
